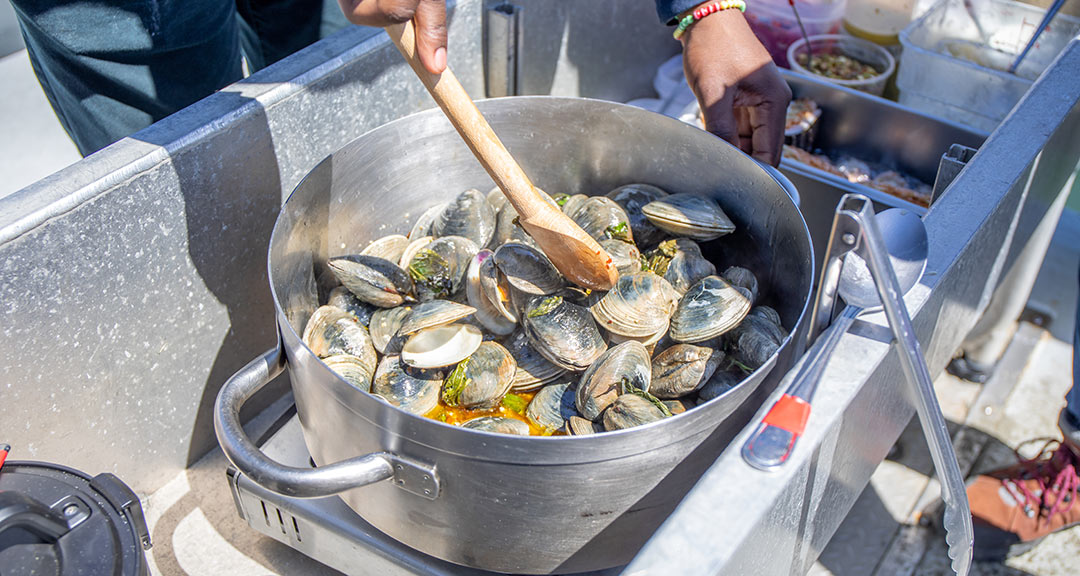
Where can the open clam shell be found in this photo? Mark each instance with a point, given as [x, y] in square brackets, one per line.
[487, 296]
[373, 280]
[690, 215]
[622, 366]
[563, 332]
[441, 345]
[632, 198]
[414, 391]
[708, 309]
[469, 215]
[639, 305]
[433, 313]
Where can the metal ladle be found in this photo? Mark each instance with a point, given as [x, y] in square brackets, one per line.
[872, 273]
[774, 440]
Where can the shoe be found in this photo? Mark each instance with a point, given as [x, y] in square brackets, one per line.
[1015, 507]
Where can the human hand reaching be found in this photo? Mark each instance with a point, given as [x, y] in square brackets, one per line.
[429, 17]
[742, 95]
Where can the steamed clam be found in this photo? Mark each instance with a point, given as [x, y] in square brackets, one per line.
[621, 369]
[639, 304]
[482, 379]
[708, 309]
[413, 390]
[331, 331]
[469, 215]
[372, 279]
[632, 198]
[466, 321]
[562, 332]
[682, 370]
[690, 215]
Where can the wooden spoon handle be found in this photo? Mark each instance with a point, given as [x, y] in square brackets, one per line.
[473, 127]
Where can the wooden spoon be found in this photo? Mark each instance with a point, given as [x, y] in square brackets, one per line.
[576, 254]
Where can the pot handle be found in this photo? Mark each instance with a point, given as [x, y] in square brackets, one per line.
[415, 477]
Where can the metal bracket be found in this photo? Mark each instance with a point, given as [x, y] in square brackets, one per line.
[418, 478]
[502, 35]
[952, 162]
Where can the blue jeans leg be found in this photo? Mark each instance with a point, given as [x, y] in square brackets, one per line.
[1072, 397]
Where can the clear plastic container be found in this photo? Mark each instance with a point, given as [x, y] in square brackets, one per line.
[879, 21]
[950, 70]
[855, 48]
[776, 27]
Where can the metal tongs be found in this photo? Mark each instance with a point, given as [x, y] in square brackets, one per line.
[857, 239]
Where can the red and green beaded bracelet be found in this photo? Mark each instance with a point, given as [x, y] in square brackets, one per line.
[703, 11]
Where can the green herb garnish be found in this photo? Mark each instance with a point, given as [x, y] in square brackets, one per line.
[657, 259]
[546, 305]
[628, 388]
[514, 403]
[740, 365]
[455, 383]
[431, 270]
[618, 231]
[561, 199]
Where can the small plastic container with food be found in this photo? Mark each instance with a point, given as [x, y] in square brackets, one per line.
[775, 25]
[844, 60]
[801, 124]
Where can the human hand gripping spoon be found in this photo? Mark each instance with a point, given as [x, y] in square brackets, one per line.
[573, 252]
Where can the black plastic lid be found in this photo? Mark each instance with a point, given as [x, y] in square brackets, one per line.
[55, 520]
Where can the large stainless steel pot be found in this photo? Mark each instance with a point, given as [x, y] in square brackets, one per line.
[508, 503]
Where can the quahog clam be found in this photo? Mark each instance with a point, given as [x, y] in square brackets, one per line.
[331, 331]
[553, 406]
[708, 309]
[691, 215]
[373, 280]
[527, 269]
[632, 198]
[469, 215]
[384, 327]
[481, 380]
[388, 247]
[498, 424]
[624, 255]
[743, 278]
[413, 390]
[639, 305]
[602, 218]
[617, 371]
[433, 313]
[438, 268]
[533, 370]
[351, 369]
[562, 332]
[683, 369]
[630, 410]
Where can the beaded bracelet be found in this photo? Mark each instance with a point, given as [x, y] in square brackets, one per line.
[703, 11]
